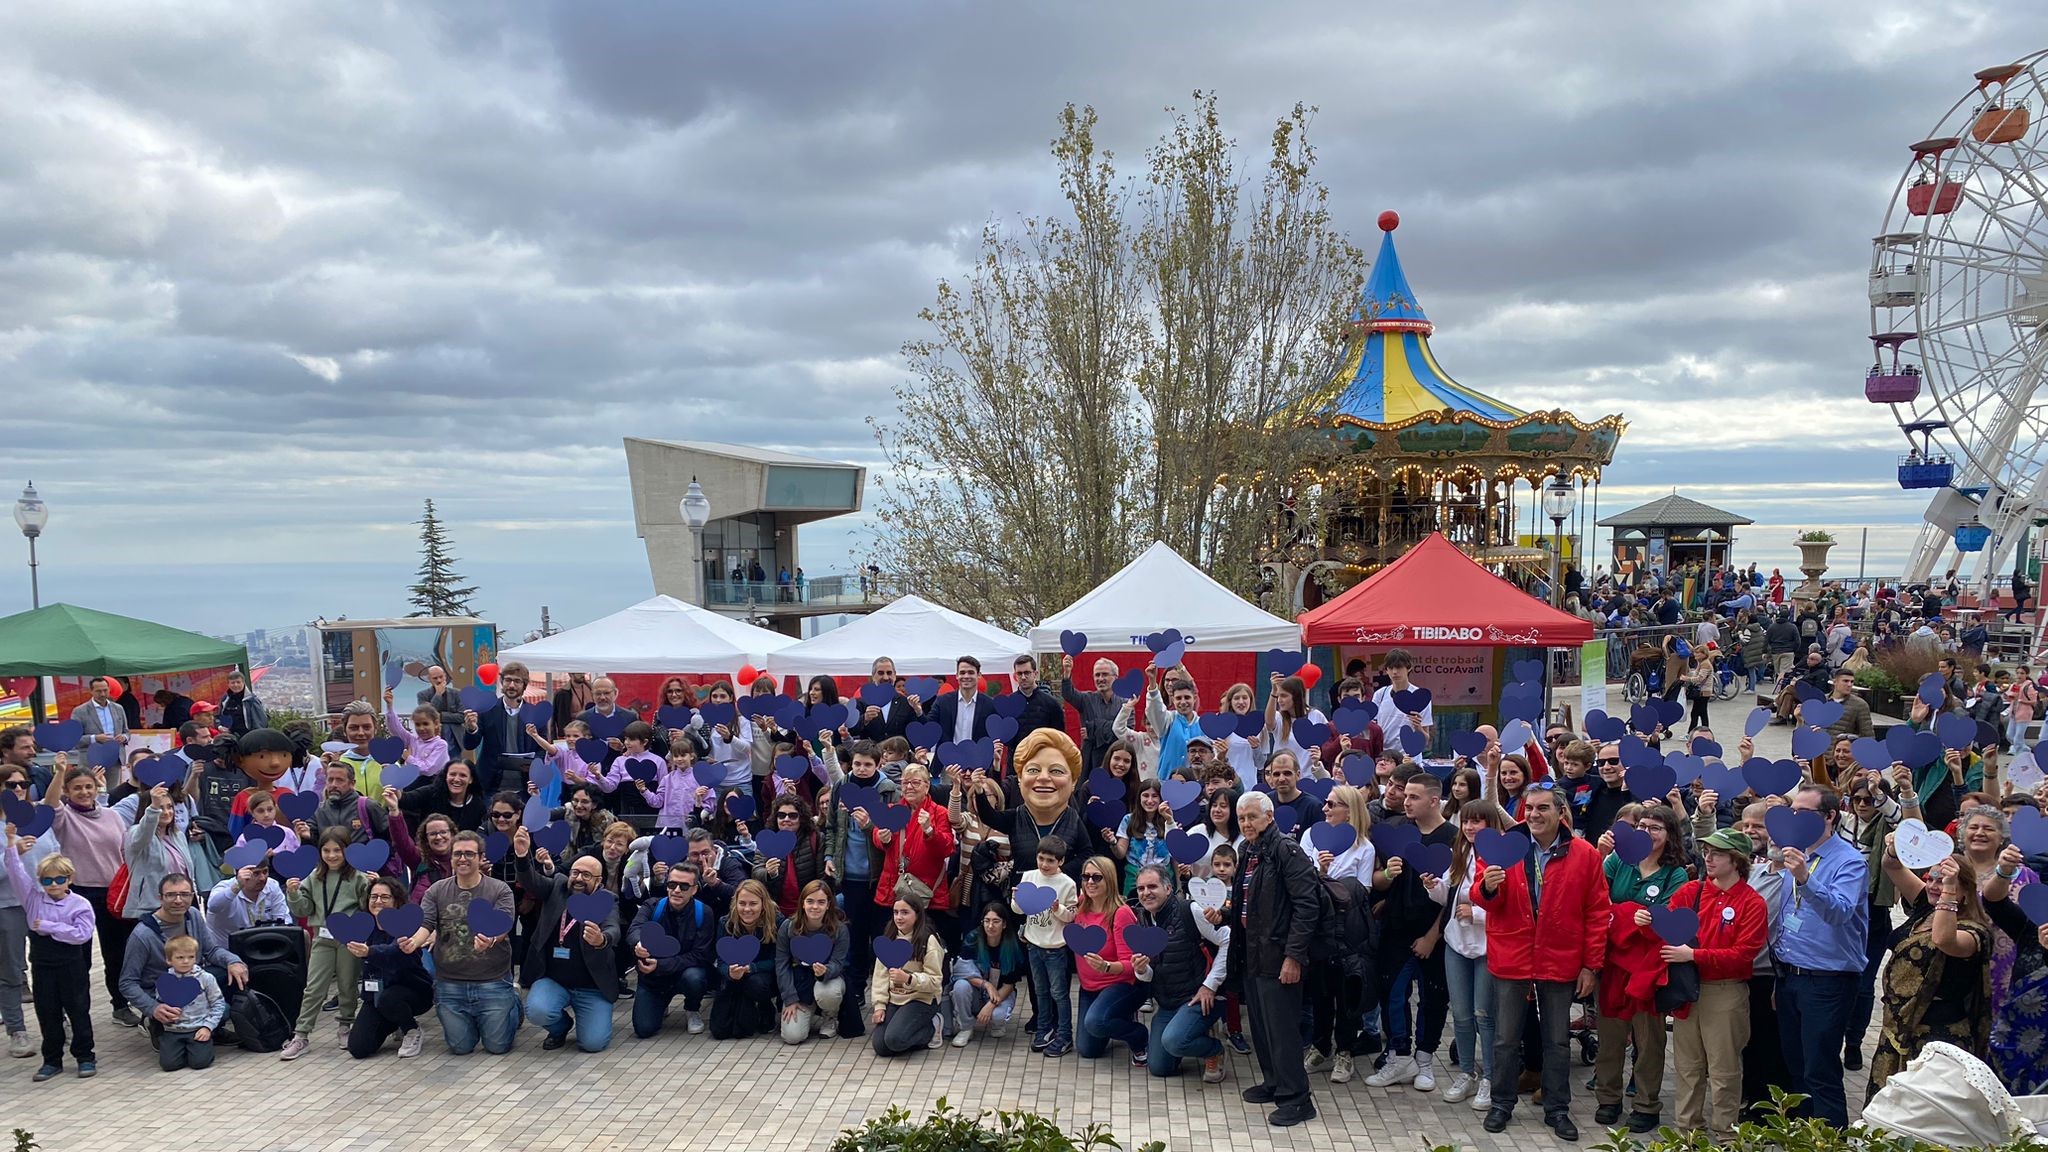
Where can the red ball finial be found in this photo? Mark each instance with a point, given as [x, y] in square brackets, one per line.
[1389, 221]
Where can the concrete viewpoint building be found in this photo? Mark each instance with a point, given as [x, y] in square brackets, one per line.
[758, 497]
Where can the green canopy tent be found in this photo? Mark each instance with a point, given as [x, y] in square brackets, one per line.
[66, 640]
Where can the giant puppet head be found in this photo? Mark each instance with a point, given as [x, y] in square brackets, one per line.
[265, 754]
[1048, 767]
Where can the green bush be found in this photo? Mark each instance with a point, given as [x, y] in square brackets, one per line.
[1875, 677]
[1778, 1132]
[948, 1129]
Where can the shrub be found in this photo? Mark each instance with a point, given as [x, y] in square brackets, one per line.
[948, 1129]
[1778, 1132]
[1874, 676]
[1816, 536]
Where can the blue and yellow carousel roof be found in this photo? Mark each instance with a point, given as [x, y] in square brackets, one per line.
[1390, 375]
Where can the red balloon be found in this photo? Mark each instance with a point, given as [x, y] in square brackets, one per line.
[1310, 673]
[487, 674]
[748, 674]
[114, 687]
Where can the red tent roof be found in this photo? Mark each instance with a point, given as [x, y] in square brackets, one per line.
[1437, 595]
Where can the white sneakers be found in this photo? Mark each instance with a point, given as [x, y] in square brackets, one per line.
[20, 1044]
[938, 1032]
[409, 1044]
[963, 1037]
[1341, 1069]
[295, 1047]
[1425, 1072]
[1398, 1070]
[1313, 1061]
[695, 1023]
[1212, 1069]
[1461, 1087]
[1483, 1099]
[829, 1029]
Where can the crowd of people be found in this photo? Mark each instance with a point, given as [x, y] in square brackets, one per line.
[918, 865]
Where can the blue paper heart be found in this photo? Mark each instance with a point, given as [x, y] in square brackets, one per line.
[1685, 766]
[1411, 699]
[1105, 814]
[1651, 781]
[1336, 839]
[478, 700]
[1285, 819]
[1809, 743]
[1320, 789]
[164, 771]
[387, 749]
[1632, 845]
[1086, 939]
[593, 750]
[1771, 777]
[496, 844]
[1170, 656]
[1933, 690]
[1179, 793]
[709, 773]
[1821, 713]
[350, 927]
[811, 948]
[1281, 660]
[1162, 640]
[658, 943]
[854, 797]
[1145, 940]
[540, 714]
[924, 734]
[1357, 768]
[552, 837]
[1794, 828]
[1251, 724]
[1604, 728]
[1634, 752]
[1073, 643]
[890, 951]
[668, 850]
[271, 836]
[740, 806]
[642, 766]
[894, 817]
[244, 855]
[1803, 692]
[536, 813]
[1130, 685]
[1724, 780]
[1871, 754]
[59, 735]
[592, 907]
[1413, 741]
[1678, 927]
[719, 714]
[1218, 725]
[925, 688]
[607, 727]
[2030, 832]
[1467, 744]
[1002, 728]
[2033, 902]
[1351, 719]
[296, 864]
[399, 775]
[1498, 849]
[487, 919]
[177, 991]
[1757, 720]
[1517, 736]
[877, 695]
[103, 755]
[1955, 730]
[1644, 719]
[1033, 898]
[1428, 859]
[1668, 711]
[1310, 734]
[367, 856]
[401, 921]
[1391, 840]
[673, 717]
[1010, 704]
[1528, 670]
[1187, 847]
[774, 844]
[1705, 748]
[792, 767]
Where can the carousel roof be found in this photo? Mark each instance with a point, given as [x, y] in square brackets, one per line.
[1391, 376]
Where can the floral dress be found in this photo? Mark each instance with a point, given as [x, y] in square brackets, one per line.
[1930, 995]
[2019, 1033]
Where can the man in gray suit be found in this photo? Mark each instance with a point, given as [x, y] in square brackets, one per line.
[103, 720]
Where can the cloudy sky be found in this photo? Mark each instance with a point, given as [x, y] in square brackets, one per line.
[271, 274]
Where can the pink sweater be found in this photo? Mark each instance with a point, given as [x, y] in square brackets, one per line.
[96, 841]
[1114, 951]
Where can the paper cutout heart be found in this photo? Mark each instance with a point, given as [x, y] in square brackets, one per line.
[592, 751]
[1009, 704]
[668, 850]
[854, 797]
[367, 856]
[1391, 840]
[1809, 743]
[487, 919]
[1162, 640]
[1218, 725]
[1705, 748]
[244, 855]
[1602, 727]
[296, 864]
[1187, 847]
[924, 734]
[709, 773]
[496, 844]
[1073, 643]
[1320, 789]
[658, 943]
[740, 806]
[1251, 724]
[1651, 781]
[1002, 728]
[206, 753]
[387, 749]
[1933, 690]
[1527, 670]
[792, 767]
[1336, 839]
[1724, 780]
[1351, 720]
[552, 838]
[1758, 720]
[1644, 719]
[1286, 819]
[894, 817]
[1102, 783]
[716, 714]
[642, 766]
[2030, 831]
[1685, 767]
[1670, 712]
[775, 844]
[811, 948]
[1871, 754]
[1632, 845]
[1179, 793]
[1467, 744]
[543, 773]
[1413, 741]
[394, 671]
[1086, 938]
[103, 755]
[478, 700]
[59, 735]
[540, 714]
[1281, 660]
[673, 716]
[1502, 849]
[1794, 828]
[1357, 768]
[1678, 927]
[402, 921]
[2033, 902]
[271, 836]
[1520, 703]
[1208, 892]
[1145, 940]
[1517, 735]
[351, 927]
[177, 991]
[592, 907]
[164, 771]
[399, 775]
[1032, 898]
[1310, 734]
[1411, 699]
[1919, 847]
[1635, 753]
[925, 688]
[1771, 777]
[1821, 713]
[891, 952]
[1170, 656]
[1428, 859]
[536, 813]
[1803, 692]
[1105, 814]
[877, 695]
[1955, 731]
[1911, 748]
[606, 727]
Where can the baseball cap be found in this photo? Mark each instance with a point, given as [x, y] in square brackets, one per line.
[1202, 739]
[1730, 840]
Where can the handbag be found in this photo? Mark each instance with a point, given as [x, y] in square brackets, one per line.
[908, 887]
[117, 891]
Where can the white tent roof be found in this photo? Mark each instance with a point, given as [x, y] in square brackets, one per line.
[658, 635]
[1159, 590]
[921, 637]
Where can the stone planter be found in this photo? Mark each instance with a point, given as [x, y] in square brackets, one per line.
[1813, 562]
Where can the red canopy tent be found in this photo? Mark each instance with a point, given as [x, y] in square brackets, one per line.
[1438, 595]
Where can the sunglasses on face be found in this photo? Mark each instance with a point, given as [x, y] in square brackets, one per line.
[680, 885]
[52, 881]
[1091, 877]
[504, 815]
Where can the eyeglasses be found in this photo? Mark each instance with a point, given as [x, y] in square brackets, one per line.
[504, 815]
[1543, 786]
[466, 855]
[1608, 760]
[680, 885]
[52, 881]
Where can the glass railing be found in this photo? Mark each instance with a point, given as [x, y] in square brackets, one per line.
[832, 591]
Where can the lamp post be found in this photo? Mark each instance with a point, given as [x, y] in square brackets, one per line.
[696, 509]
[1557, 504]
[31, 514]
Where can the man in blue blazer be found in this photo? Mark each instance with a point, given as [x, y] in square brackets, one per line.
[504, 753]
[963, 715]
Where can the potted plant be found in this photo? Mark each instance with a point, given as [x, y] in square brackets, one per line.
[1813, 551]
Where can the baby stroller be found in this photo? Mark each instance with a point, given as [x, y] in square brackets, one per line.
[1645, 673]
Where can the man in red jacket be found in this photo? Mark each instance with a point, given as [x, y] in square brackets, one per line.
[1546, 938]
[1708, 1039]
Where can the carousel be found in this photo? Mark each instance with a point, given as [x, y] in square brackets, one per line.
[1399, 450]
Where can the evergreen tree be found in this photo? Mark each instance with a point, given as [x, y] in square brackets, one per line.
[436, 593]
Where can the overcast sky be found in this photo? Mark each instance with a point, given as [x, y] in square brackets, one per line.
[271, 274]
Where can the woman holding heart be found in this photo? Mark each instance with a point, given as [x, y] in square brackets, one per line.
[334, 887]
[1982, 837]
[810, 974]
[1108, 1005]
[909, 974]
[395, 984]
[920, 850]
[1937, 985]
[745, 1003]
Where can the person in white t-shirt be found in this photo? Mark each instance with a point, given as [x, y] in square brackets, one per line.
[1392, 720]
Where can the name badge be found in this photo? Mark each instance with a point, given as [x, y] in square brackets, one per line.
[1792, 920]
[324, 934]
[561, 953]
[1728, 914]
[1651, 890]
[373, 985]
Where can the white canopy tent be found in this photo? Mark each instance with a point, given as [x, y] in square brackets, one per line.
[921, 637]
[659, 635]
[1160, 590]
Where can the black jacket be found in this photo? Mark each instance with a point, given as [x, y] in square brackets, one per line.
[1277, 918]
[1042, 709]
[601, 962]
[431, 798]
[498, 733]
[946, 711]
[693, 925]
[895, 718]
[1098, 722]
[1182, 964]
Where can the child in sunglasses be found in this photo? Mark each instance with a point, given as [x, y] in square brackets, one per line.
[59, 954]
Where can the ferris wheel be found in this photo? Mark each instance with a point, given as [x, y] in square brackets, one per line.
[1959, 320]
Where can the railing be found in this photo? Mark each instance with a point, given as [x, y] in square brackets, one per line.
[836, 591]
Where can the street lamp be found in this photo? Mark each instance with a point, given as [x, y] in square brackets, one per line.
[31, 514]
[1558, 499]
[696, 509]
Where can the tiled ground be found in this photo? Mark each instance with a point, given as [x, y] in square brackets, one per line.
[688, 1092]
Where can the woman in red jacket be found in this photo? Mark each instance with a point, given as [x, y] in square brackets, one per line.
[927, 844]
[1552, 944]
[1709, 1035]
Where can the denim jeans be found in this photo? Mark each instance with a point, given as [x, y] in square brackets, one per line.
[473, 1010]
[651, 998]
[1430, 973]
[1471, 992]
[968, 1000]
[1553, 1018]
[548, 1004]
[1110, 1014]
[1052, 992]
[1813, 1017]
[1182, 1032]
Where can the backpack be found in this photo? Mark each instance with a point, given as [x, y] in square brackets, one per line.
[1346, 926]
[259, 1023]
[1683, 649]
